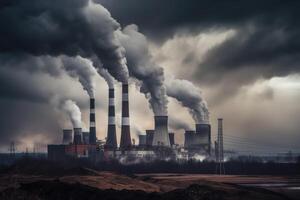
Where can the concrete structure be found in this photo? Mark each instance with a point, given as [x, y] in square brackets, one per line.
[161, 134]
[111, 139]
[67, 136]
[142, 140]
[203, 136]
[85, 137]
[149, 137]
[92, 134]
[77, 136]
[188, 138]
[125, 142]
[172, 139]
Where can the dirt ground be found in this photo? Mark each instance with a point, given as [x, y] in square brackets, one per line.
[253, 187]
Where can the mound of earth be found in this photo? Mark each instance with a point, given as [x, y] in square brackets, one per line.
[57, 190]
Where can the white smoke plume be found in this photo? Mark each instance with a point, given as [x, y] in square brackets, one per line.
[141, 67]
[103, 72]
[83, 70]
[73, 111]
[190, 97]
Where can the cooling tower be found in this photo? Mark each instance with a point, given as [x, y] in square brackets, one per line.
[92, 134]
[188, 138]
[203, 136]
[161, 135]
[125, 142]
[149, 137]
[77, 136]
[111, 139]
[142, 140]
[67, 136]
[85, 137]
[172, 139]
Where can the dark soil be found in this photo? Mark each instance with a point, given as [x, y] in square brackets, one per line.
[56, 190]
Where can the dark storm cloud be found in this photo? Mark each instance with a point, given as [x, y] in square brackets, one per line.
[157, 17]
[270, 51]
[58, 27]
[267, 31]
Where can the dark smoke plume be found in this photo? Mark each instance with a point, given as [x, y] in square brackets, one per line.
[62, 27]
[142, 68]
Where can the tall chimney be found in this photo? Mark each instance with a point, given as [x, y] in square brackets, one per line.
[67, 136]
[125, 129]
[111, 141]
[161, 135]
[77, 136]
[92, 138]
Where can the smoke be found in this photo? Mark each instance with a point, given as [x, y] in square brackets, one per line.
[151, 78]
[63, 27]
[177, 124]
[103, 72]
[73, 111]
[140, 65]
[82, 69]
[189, 96]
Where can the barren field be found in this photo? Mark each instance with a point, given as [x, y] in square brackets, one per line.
[162, 186]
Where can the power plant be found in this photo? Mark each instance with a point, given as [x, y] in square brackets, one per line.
[156, 143]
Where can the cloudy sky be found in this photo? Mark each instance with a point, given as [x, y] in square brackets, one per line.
[239, 59]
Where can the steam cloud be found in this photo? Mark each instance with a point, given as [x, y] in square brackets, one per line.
[189, 96]
[73, 112]
[177, 124]
[63, 27]
[141, 67]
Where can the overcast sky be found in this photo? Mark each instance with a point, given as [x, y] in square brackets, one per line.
[243, 56]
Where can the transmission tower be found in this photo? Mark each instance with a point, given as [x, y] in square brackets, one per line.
[220, 169]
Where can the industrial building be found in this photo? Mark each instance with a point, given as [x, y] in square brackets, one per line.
[157, 143]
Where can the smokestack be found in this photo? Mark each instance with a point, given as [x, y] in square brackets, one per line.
[67, 136]
[172, 139]
[149, 137]
[77, 136]
[111, 141]
[125, 129]
[161, 135]
[92, 138]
